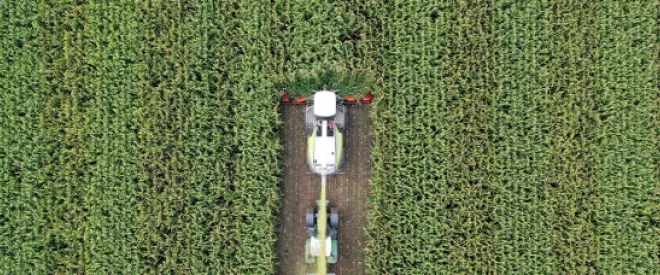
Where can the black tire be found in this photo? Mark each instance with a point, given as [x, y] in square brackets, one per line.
[309, 218]
[309, 121]
[334, 218]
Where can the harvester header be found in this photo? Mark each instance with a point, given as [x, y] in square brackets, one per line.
[288, 98]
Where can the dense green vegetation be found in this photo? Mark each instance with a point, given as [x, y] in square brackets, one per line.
[138, 137]
[518, 138]
[513, 137]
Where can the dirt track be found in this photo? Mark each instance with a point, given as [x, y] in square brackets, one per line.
[347, 191]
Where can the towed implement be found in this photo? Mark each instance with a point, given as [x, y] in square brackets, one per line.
[322, 230]
[313, 243]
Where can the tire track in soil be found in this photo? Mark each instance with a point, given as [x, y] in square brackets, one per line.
[347, 191]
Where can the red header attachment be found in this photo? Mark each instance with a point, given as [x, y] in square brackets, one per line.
[286, 99]
[349, 100]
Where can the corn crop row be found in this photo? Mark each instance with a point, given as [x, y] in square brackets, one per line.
[516, 138]
[625, 165]
[66, 122]
[312, 38]
[129, 136]
[22, 148]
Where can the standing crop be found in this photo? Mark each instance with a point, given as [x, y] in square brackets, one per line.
[23, 150]
[138, 137]
[516, 138]
[512, 137]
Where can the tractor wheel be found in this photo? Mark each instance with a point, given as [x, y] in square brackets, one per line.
[309, 218]
[309, 120]
[334, 218]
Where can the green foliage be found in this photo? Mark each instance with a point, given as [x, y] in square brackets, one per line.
[514, 137]
[625, 168]
[322, 44]
[23, 151]
[347, 84]
[66, 122]
[255, 159]
[129, 139]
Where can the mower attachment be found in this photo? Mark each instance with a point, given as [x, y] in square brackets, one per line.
[350, 100]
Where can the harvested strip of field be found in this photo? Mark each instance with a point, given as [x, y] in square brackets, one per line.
[348, 192]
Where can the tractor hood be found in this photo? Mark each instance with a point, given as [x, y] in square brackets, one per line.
[324, 150]
[316, 246]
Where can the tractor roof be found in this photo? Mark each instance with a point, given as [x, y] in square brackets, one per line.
[325, 104]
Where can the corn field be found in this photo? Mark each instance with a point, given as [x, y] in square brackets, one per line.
[511, 137]
[517, 137]
[138, 137]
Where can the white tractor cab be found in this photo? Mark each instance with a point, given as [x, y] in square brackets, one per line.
[325, 120]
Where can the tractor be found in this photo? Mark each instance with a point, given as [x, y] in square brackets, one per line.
[313, 243]
[325, 118]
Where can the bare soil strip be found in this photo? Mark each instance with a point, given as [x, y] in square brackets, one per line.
[347, 191]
